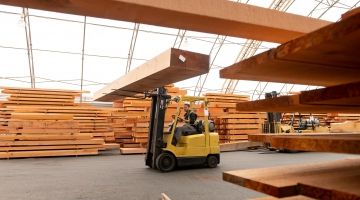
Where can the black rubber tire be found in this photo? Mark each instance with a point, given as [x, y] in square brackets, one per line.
[212, 161]
[165, 162]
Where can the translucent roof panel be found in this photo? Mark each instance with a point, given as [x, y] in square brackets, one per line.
[57, 42]
[107, 41]
[57, 70]
[58, 35]
[12, 31]
[14, 70]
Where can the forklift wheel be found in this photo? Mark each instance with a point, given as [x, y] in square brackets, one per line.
[212, 161]
[165, 162]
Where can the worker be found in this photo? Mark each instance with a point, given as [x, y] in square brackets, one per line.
[189, 127]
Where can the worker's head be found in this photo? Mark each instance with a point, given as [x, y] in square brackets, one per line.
[186, 107]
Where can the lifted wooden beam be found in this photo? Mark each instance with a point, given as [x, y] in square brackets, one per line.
[211, 16]
[169, 67]
[328, 56]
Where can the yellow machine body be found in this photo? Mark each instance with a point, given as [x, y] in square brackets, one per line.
[193, 146]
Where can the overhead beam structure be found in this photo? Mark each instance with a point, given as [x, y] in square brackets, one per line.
[328, 56]
[341, 98]
[169, 67]
[210, 16]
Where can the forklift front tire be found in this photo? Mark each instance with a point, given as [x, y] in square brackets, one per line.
[165, 162]
[212, 161]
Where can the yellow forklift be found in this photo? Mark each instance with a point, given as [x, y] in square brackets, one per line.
[201, 148]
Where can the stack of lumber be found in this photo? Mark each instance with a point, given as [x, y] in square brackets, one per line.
[43, 135]
[50, 101]
[329, 180]
[233, 125]
[130, 119]
[49, 122]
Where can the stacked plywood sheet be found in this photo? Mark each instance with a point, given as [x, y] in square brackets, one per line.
[231, 124]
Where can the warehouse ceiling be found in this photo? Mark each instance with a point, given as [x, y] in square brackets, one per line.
[53, 50]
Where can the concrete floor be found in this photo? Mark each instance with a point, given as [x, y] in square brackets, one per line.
[125, 177]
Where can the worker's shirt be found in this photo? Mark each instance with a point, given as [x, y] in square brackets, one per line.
[191, 116]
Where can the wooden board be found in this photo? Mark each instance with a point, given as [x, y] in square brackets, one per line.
[340, 95]
[325, 57]
[330, 180]
[50, 143]
[56, 147]
[49, 153]
[174, 64]
[212, 16]
[293, 104]
[324, 142]
[127, 151]
[238, 146]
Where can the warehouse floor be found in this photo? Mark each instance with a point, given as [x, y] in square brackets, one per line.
[125, 177]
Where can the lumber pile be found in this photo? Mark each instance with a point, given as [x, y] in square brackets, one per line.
[49, 101]
[49, 122]
[233, 125]
[130, 119]
[329, 180]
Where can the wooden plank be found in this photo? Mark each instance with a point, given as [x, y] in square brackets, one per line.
[238, 146]
[174, 64]
[57, 147]
[50, 153]
[109, 146]
[41, 116]
[42, 90]
[61, 124]
[323, 142]
[45, 137]
[54, 96]
[51, 143]
[325, 57]
[287, 181]
[292, 104]
[127, 151]
[340, 95]
[212, 16]
[44, 130]
[20, 100]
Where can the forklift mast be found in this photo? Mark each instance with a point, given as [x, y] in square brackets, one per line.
[156, 128]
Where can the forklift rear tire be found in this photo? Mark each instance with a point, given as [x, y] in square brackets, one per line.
[165, 162]
[212, 161]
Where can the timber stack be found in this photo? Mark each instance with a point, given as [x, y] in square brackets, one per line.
[130, 119]
[42, 123]
[233, 125]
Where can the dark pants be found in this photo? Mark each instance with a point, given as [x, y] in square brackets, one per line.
[186, 129]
